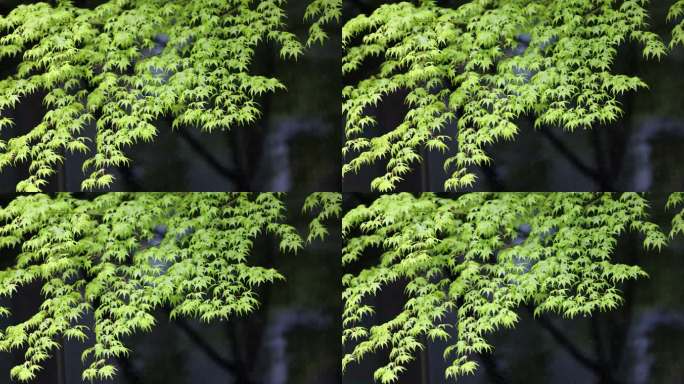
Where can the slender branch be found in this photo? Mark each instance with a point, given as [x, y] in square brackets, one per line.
[597, 335]
[573, 350]
[424, 366]
[425, 171]
[61, 173]
[196, 338]
[196, 146]
[202, 344]
[61, 365]
[492, 177]
[566, 343]
[570, 156]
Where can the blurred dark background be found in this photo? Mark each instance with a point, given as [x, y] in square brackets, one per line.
[294, 146]
[292, 338]
[642, 151]
[638, 343]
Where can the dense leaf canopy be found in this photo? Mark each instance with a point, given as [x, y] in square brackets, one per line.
[126, 63]
[120, 256]
[469, 262]
[481, 65]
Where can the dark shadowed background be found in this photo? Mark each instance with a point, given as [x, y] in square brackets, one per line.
[292, 338]
[294, 146]
[638, 343]
[642, 151]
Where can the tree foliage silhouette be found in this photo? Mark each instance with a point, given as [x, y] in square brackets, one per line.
[120, 256]
[126, 63]
[469, 262]
[481, 65]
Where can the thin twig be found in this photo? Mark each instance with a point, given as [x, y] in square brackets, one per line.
[196, 146]
[199, 341]
[571, 157]
[61, 371]
[603, 179]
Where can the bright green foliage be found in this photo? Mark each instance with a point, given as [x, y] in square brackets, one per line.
[329, 206]
[127, 63]
[121, 256]
[677, 12]
[676, 199]
[323, 12]
[482, 65]
[469, 262]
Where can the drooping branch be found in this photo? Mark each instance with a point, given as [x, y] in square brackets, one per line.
[124, 64]
[574, 351]
[121, 256]
[489, 63]
[481, 256]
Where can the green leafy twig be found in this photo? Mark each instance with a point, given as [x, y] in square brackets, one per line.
[329, 206]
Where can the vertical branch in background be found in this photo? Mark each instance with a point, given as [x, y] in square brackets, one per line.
[571, 157]
[61, 187]
[597, 335]
[61, 366]
[620, 132]
[61, 174]
[246, 337]
[61, 167]
[247, 142]
[604, 179]
[425, 171]
[619, 324]
[424, 366]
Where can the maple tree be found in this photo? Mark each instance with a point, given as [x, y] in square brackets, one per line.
[468, 262]
[120, 256]
[478, 67]
[124, 64]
